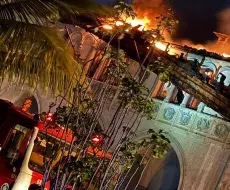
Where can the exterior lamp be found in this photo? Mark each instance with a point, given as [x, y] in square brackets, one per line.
[49, 117]
[97, 139]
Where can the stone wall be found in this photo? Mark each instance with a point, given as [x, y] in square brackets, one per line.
[200, 141]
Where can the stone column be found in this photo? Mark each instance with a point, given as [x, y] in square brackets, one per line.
[170, 94]
[185, 100]
[25, 175]
[201, 107]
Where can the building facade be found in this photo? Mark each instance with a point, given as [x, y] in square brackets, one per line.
[199, 136]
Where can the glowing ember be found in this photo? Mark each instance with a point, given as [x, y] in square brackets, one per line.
[107, 27]
[225, 55]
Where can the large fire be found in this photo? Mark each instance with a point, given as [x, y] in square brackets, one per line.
[144, 25]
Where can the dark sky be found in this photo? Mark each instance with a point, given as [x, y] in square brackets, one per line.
[197, 18]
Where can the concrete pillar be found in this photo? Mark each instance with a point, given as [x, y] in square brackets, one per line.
[201, 107]
[25, 175]
[185, 100]
[171, 93]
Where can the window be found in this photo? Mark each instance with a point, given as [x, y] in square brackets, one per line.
[45, 148]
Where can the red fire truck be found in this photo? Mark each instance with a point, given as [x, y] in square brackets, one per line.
[20, 154]
[23, 140]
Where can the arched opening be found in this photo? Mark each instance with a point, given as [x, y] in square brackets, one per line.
[209, 65]
[208, 69]
[76, 38]
[226, 72]
[163, 92]
[160, 174]
[86, 49]
[168, 175]
[34, 105]
[222, 82]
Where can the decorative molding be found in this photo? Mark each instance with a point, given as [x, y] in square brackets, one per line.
[221, 131]
[185, 118]
[203, 124]
[156, 108]
[169, 114]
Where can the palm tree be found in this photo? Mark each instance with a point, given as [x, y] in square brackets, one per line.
[31, 51]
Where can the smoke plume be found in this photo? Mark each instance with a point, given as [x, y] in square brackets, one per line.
[224, 21]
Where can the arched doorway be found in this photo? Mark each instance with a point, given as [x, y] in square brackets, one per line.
[226, 72]
[167, 177]
[160, 174]
[34, 106]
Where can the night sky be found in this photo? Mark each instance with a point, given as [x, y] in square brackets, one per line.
[197, 18]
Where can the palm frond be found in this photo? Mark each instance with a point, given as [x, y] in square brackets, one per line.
[89, 7]
[32, 11]
[35, 54]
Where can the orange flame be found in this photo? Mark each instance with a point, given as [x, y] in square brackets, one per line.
[166, 47]
[225, 55]
[139, 22]
[119, 23]
[107, 27]
[143, 23]
[160, 46]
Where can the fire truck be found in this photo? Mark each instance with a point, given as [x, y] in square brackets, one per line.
[22, 146]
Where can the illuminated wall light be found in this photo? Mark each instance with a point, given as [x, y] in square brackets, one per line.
[49, 117]
[97, 139]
